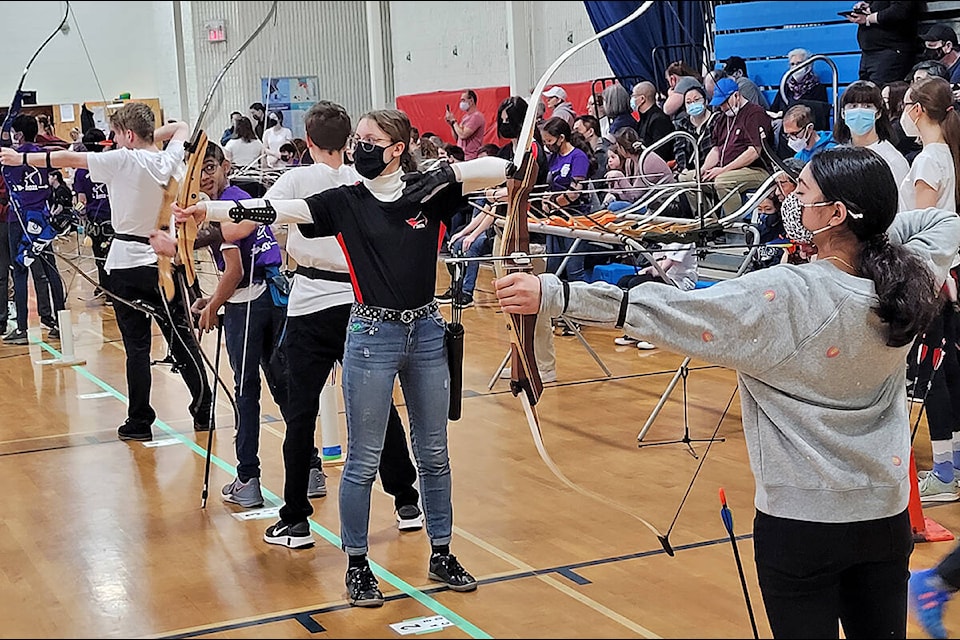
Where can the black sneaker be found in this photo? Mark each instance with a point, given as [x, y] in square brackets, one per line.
[48, 323]
[464, 300]
[295, 536]
[409, 518]
[200, 426]
[363, 590]
[445, 568]
[53, 334]
[446, 296]
[134, 431]
[16, 337]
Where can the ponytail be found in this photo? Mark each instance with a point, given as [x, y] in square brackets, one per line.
[577, 140]
[951, 135]
[905, 287]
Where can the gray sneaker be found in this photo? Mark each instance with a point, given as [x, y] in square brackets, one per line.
[409, 518]
[932, 489]
[16, 337]
[317, 484]
[246, 494]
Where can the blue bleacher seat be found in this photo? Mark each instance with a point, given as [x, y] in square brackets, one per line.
[703, 284]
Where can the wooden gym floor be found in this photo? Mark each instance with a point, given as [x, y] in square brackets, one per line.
[103, 538]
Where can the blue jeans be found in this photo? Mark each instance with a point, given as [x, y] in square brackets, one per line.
[246, 359]
[574, 271]
[479, 247]
[376, 352]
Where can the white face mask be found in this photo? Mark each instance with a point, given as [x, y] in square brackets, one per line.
[797, 144]
[464, 105]
[732, 111]
[791, 211]
[909, 125]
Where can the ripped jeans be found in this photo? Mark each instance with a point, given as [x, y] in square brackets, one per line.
[376, 352]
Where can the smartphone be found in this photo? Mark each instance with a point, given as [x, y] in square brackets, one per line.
[850, 13]
[448, 107]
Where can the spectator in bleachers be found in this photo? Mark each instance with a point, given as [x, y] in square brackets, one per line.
[613, 178]
[927, 68]
[710, 81]
[472, 126]
[893, 93]
[489, 149]
[595, 109]
[695, 120]
[589, 127]
[888, 38]
[556, 100]
[653, 124]
[245, 149]
[865, 124]
[933, 181]
[734, 163]
[940, 44]
[804, 85]
[736, 68]
[802, 136]
[681, 77]
[636, 181]
[451, 153]
[616, 104]
[257, 114]
[769, 223]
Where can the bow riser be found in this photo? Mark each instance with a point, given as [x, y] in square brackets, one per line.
[165, 263]
[189, 195]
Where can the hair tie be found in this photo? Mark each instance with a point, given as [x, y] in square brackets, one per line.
[950, 108]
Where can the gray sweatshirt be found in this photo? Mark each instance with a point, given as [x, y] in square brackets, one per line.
[825, 413]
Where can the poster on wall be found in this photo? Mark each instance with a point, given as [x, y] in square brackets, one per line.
[291, 95]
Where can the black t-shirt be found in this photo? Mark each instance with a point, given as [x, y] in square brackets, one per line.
[391, 247]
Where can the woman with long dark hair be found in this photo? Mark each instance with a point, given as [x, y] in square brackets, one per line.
[390, 229]
[866, 123]
[819, 351]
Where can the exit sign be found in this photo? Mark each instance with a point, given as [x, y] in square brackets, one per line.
[215, 31]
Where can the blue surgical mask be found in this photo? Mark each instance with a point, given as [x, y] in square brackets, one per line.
[696, 109]
[860, 121]
[633, 103]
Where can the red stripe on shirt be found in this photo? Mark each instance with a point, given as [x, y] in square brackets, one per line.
[443, 232]
[353, 274]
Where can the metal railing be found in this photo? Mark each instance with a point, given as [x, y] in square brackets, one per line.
[803, 65]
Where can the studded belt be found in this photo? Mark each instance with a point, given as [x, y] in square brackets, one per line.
[405, 316]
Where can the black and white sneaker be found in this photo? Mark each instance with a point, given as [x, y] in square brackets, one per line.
[445, 297]
[134, 431]
[409, 518]
[445, 568]
[295, 536]
[363, 590]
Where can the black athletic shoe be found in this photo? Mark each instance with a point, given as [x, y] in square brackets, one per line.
[445, 297]
[409, 518]
[295, 536]
[445, 568]
[363, 590]
[134, 431]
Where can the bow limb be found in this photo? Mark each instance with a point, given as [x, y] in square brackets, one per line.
[188, 192]
[516, 241]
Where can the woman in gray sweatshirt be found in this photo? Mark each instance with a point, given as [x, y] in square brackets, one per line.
[819, 351]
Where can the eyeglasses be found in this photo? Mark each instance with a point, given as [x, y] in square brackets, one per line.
[209, 169]
[368, 144]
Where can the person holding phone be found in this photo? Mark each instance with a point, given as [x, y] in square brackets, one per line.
[472, 126]
[887, 34]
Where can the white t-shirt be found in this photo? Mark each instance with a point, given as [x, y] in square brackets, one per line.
[894, 159]
[684, 271]
[135, 180]
[241, 153]
[273, 140]
[308, 295]
[933, 165]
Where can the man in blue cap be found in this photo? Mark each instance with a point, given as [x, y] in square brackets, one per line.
[734, 163]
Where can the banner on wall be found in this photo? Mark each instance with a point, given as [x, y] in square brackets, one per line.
[293, 96]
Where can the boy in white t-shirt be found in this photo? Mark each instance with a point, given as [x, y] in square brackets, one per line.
[135, 175]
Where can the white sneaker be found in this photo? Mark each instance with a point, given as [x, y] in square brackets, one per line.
[624, 341]
[643, 344]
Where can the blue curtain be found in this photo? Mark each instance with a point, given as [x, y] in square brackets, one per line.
[643, 48]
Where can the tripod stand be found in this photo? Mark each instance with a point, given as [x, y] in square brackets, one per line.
[682, 372]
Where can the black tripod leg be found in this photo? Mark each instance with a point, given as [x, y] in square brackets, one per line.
[213, 415]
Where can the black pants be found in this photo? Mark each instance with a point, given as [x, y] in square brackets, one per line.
[313, 343]
[815, 576]
[885, 65]
[101, 235]
[943, 397]
[5, 267]
[949, 568]
[141, 283]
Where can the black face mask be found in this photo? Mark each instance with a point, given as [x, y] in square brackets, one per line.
[933, 54]
[369, 164]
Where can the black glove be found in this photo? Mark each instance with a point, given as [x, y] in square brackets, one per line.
[421, 186]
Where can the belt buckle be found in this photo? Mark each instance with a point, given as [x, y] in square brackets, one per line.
[407, 316]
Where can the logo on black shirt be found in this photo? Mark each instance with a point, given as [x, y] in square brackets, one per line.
[418, 222]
